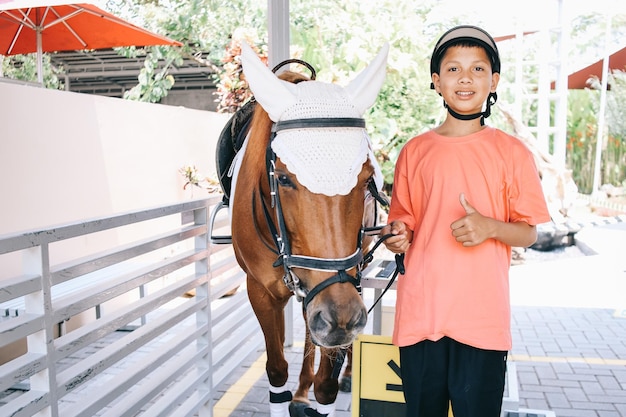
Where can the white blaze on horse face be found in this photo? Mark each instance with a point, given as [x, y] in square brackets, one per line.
[325, 160]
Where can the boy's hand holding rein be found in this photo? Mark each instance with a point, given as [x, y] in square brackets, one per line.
[399, 243]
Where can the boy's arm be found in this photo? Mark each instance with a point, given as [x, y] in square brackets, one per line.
[474, 228]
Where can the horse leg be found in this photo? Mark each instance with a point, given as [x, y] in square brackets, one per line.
[326, 385]
[301, 398]
[307, 370]
[325, 388]
[345, 384]
[269, 312]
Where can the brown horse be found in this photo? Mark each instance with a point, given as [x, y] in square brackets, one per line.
[297, 210]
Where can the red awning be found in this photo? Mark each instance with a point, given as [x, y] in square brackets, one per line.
[578, 79]
[511, 36]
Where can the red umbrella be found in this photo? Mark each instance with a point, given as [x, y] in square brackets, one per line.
[28, 26]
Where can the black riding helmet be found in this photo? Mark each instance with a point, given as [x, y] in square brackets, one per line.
[461, 35]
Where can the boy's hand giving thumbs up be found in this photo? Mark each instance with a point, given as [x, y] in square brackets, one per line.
[473, 228]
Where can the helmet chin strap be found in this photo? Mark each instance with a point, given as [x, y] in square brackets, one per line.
[491, 100]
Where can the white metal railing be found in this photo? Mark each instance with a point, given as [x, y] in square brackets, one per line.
[139, 326]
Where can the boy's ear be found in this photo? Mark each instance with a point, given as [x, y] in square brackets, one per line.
[495, 79]
[435, 82]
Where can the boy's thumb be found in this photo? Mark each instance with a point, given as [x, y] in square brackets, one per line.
[467, 206]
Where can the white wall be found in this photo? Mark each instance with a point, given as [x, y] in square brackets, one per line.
[67, 156]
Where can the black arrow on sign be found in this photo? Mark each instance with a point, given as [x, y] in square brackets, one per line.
[396, 370]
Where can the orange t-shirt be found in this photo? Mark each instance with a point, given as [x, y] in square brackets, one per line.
[451, 290]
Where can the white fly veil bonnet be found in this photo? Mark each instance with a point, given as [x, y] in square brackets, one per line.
[326, 160]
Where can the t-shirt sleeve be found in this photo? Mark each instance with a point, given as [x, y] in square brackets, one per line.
[401, 205]
[527, 200]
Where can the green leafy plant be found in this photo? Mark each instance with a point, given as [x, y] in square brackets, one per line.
[582, 131]
[232, 88]
[193, 179]
[154, 80]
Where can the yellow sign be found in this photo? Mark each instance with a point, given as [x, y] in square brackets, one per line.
[376, 382]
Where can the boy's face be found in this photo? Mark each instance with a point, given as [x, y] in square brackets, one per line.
[465, 78]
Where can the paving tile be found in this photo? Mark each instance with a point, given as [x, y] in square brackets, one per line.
[592, 388]
[536, 404]
[545, 389]
[604, 413]
[621, 408]
[568, 412]
[616, 402]
[578, 377]
[527, 378]
[575, 394]
[608, 382]
[561, 383]
[586, 405]
[545, 372]
[557, 399]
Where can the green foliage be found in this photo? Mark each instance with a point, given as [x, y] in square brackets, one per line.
[614, 157]
[232, 88]
[153, 81]
[582, 135]
[24, 68]
[205, 28]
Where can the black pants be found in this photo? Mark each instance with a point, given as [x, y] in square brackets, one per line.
[435, 374]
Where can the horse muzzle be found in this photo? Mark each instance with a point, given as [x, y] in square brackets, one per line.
[335, 320]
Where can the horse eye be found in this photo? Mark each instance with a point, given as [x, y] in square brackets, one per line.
[285, 181]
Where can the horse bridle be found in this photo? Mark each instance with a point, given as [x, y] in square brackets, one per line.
[279, 231]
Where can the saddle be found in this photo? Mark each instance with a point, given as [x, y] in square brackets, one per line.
[230, 142]
[234, 134]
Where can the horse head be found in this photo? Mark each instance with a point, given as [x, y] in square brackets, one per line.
[320, 164]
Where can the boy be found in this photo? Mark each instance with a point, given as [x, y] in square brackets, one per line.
[463, 195]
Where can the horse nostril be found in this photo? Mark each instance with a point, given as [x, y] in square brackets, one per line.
[358, 322]
[317, 323]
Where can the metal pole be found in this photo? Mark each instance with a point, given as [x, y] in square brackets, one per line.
[278, 51]
[278, 31]
[39, 56]
[560, 120]
[543, 91]
[602, 110]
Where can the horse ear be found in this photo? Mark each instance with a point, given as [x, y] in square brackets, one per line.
[274, 94]
[365, 87]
